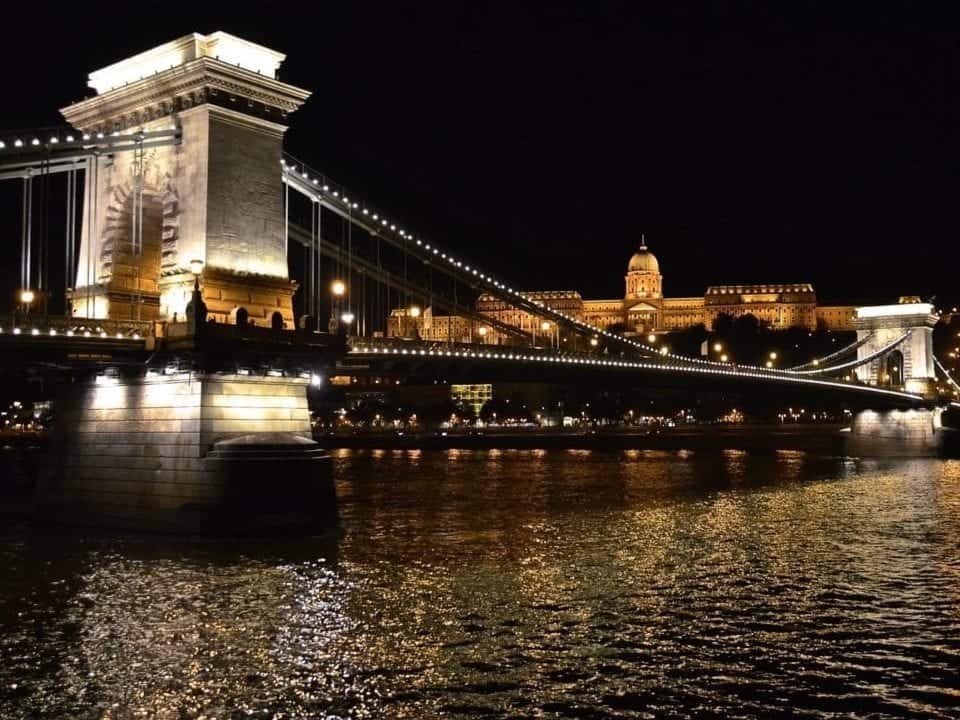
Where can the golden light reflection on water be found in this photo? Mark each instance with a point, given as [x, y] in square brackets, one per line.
[534, 582]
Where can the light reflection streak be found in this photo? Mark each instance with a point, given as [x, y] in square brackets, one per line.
[735, 580]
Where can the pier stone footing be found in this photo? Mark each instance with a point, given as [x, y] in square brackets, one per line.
[896, 433]
[191, 452]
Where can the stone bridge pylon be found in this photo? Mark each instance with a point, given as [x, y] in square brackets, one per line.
[214, 197]
[910, 364]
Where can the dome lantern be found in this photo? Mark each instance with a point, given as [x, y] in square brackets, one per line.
[643, 260]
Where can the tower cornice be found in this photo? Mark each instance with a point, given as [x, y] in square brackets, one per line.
[182, 87]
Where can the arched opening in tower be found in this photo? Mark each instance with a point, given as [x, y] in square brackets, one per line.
[894, 369]
[130, 261]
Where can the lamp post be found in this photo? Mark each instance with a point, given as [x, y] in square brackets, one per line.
[196, 267]
[27, 297]
[414, 313]
[337, 288]
[196, 310]
[545, 326]
[482, 332]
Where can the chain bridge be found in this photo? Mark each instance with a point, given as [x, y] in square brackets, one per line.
[188, 281]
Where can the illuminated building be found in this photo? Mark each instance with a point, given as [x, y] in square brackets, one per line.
[427, 326]
[643, 309]
[473, 396]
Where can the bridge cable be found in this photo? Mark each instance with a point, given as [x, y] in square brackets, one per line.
[349, 262]
[66, 242]
[306, 291]
[29, 278]
[310, 267]
[24, 235]
[305, 184]
[363, 303]
[319, 288]
[71, 250]
[837, 353]
[377, 309]
[88, 200]
[46, 236]
[42, 239]
[859, 361]
[946, 373]
[93, 165]
[139, 181]
[395, 282]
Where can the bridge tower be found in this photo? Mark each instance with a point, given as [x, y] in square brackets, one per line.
[909, 365]
[215, 198]
[194, 438]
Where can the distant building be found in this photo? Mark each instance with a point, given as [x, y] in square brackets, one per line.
[777, 305]
[474, 396]
[836, 317]
[424, 325]
[642, 310]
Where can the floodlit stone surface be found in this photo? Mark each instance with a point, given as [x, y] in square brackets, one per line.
[216, 196]
[910, 364]
[138, 452]
[896, 433]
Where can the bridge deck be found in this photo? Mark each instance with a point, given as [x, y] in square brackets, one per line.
[379, 352]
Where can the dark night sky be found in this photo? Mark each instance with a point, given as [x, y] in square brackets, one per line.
[540, 143]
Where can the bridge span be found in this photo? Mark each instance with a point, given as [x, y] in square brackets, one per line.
[472, 363]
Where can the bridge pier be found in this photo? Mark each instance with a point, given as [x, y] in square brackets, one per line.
[916, 432]
[188, 452]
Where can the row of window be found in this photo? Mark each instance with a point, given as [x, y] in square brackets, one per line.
[742, 289]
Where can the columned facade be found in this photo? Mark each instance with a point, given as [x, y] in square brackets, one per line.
[643, 309]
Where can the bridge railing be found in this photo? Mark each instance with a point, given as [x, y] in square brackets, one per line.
[29, 324]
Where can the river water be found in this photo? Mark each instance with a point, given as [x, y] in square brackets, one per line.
[495, 584]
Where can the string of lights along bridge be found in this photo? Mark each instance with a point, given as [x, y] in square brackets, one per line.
[321, 191]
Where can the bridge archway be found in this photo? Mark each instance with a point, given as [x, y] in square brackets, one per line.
[121, 280]
[893, 367]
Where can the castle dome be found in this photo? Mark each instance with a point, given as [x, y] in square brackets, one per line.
[643, 260]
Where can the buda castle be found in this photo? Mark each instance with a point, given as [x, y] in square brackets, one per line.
[643, 309]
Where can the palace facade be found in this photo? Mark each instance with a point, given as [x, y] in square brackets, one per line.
[642, 310]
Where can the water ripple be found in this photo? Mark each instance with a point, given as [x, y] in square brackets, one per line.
[518, 584]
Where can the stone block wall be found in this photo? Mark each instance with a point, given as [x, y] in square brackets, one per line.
[245, 216]
[134, 451]
[895, 433]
